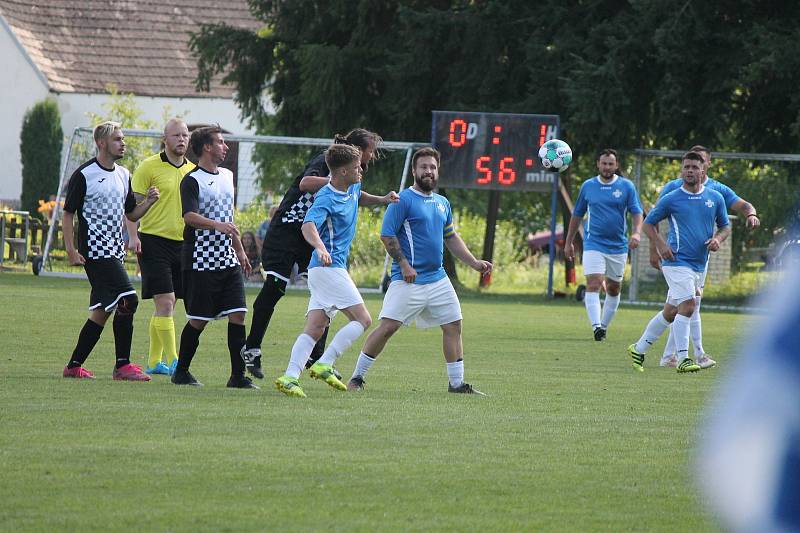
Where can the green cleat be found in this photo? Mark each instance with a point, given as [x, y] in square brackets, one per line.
[687, 365]
[638, 358]
[326, 373]
[290, 386]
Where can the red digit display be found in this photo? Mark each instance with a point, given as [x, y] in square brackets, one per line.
[492, 151]
[482, 169]
[506, 175]
[496, 138]
[458, 133]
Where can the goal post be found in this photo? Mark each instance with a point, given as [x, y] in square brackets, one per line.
[247, 171]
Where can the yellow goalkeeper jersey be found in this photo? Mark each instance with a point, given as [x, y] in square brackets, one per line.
[165, 217]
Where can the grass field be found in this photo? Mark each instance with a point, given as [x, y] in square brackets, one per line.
[570, 438]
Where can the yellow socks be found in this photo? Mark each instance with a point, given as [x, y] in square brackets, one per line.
[154, 356]
[165, 331]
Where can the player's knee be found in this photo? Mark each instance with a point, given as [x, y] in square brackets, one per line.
[127, 305]
[366, 321]
[613, 288]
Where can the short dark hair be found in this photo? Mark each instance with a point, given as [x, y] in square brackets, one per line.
[341, 155]
[694, 156]
[202, 137]
[700, 148]
[607, 151]
[425, 152]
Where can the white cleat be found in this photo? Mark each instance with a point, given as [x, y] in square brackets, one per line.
[704, 361]
[670, 361]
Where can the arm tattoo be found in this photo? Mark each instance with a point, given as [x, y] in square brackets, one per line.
[393, 249]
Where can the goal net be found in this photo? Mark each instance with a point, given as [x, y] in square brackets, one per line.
[751, 258]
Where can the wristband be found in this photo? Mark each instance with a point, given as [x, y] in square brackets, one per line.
[751, 215]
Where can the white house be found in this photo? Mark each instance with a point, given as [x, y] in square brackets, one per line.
[70, 50]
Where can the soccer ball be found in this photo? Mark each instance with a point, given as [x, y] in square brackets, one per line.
[555, 155]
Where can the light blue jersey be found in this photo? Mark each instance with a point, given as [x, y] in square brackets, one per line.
[727, 193]
[420, 222]
[692, 217]
[605, 227]
[334, 213]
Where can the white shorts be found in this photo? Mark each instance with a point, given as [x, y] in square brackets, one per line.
[683, 282]
[432, 304]
[611, 266]
[331, 290]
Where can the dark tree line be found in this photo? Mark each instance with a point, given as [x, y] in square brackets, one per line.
[660, 73]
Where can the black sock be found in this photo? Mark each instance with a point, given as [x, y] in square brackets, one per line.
[271, 292]
[87, 338]
[236, 334]
[190, 339]
[319, 349]
[123, 335]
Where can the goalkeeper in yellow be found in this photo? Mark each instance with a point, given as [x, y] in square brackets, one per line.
[159, 241]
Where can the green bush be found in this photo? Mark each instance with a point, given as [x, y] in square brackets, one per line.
[41, 139]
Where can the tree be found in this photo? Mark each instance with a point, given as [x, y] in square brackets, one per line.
[664, 74]
[41, 139]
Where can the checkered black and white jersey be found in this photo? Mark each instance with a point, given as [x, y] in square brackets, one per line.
[295, 203]
[101, 197]
[210, 195]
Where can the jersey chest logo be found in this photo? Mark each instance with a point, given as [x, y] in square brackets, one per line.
[617, 193]
[709, 203]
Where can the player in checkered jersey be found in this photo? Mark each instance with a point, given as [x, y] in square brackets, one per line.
[213, 258]
[99, 191]
[284, 244]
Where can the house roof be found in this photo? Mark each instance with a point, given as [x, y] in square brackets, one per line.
[140, 45]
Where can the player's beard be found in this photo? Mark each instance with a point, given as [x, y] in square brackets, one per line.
[426, 186]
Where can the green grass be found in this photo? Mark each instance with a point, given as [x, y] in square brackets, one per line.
[570, 439]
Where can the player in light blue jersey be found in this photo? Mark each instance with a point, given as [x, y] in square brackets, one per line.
[415, 232]
[692, 211]
[329, 227]
[733, 203]
[605, 200]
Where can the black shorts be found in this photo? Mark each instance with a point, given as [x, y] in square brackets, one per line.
[160, 262]
[283, 247]
[213, 294]
[109, 282]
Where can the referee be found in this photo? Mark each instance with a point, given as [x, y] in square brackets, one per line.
[160, 240]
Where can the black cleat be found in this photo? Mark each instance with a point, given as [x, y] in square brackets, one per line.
[464, 388]
[252, 360]
[256, 370]
[599, 334]
[241, 382]
[356, 383]
[184, 377]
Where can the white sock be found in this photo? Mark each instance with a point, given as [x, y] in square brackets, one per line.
[362, 365]
[300, 352]
[669, 347]
[455, 373]
[592, 302]
[681, 329]
[342, 341]
[696, 329]
[652, 332]
[610, 305]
